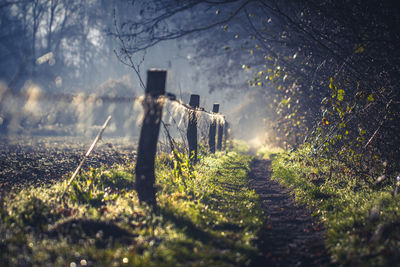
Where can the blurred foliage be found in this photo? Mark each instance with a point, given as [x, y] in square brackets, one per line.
[45, 42]
[334, 85]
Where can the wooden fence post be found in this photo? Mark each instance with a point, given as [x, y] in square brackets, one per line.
[226, 133]
[145, 176]
[220, 135]
[212, 132]
[192, 128]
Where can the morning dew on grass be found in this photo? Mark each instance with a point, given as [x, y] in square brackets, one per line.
[195, 201]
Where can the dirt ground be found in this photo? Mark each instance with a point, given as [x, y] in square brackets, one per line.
[291, 237]
[26, 160]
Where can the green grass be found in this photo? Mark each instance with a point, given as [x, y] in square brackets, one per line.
[206, 216]
[362, 221]
[268, 152]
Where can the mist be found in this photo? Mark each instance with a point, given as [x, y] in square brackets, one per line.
[71, 76]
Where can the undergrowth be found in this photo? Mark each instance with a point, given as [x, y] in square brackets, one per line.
[206, 216]
[362, 218]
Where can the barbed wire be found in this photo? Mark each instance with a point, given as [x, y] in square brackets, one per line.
[82, 99]
[92, 98]
[69, 97]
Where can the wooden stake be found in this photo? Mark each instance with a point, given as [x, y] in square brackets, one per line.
[226, 133]
[192, 128]
[145, 176]
[212, 132]
[220, 135]
[86, 155]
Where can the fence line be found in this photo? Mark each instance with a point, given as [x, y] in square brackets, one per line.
[70, 97]
[203, 117]
[153, 103]
[92, 98]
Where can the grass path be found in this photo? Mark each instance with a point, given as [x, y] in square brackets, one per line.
[291, 236]
[206, 216]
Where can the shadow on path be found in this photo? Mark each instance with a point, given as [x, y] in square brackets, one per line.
[291, 237]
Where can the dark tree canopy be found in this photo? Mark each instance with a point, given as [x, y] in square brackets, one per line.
[328, 68]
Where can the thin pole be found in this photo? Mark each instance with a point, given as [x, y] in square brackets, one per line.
[86, 155]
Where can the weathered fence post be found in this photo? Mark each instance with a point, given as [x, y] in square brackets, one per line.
[226, 133]
[211, 134]
[192, 128]
[220, 135]
[145, 176]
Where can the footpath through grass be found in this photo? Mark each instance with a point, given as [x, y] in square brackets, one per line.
[207, 216]
[362, 219]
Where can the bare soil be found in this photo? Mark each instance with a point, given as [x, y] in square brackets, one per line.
[291, 236]
[27, 160]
